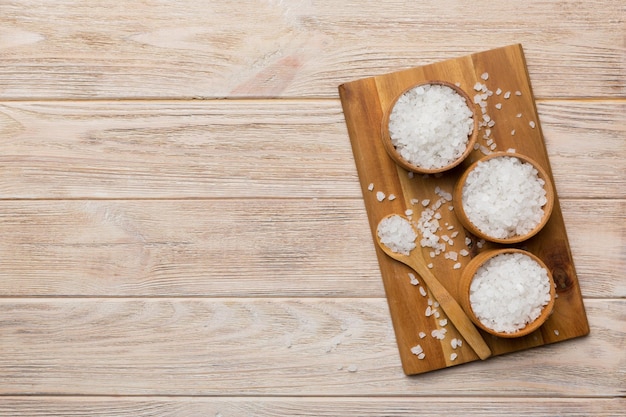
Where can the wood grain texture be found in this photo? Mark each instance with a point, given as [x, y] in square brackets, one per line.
[234, 248]
[292, 49]
[249, 149]
[319, 407]
[283, 347]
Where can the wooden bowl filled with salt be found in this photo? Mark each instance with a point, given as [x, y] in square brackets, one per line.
[504, 197]
[430, 127]
[507, 292]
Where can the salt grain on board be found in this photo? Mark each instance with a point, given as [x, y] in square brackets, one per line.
[380, 196]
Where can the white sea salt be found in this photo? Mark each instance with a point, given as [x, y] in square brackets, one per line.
[485, 76]
[371, 186]
[509, 291]
[531, 124]
[422, 335]
[507, 94]
[380, 196]
[416, 350]
[503, 197]
[396, 233]
[453, 356]
[430, 126]
[422, 291]
[412, 279]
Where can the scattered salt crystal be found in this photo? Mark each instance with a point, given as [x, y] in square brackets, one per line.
[436, 314]
[414, 201]
[380, 196]
[454, 343]
[416, 350]
[410, 174]
[457, 265]
[513, 132]
[468, 241]
[504, 196]
[518, 115]
[436, 304]
[493, 147]
[396, 233]
[413, 280]
[421, 356]
[432, 254]
[556, 332]
[491, 123]
[498, 106]
[443, 322]
[430, 125]
[429, 311]
[453, 356]
[458, 84]
[370, 187]
[498, 91]
[518, 93]
[478, 86]
[531, 124]
[430, 302]
[408, 212]
[392, 197]
[509, 291]
[507, 94]
[439, 334]
[430, 266]
[510, 150]
[422, 291]
[485, 76]
[480, 243]
[463, 252]
[422, 335]
[425, 202]
[454, 234]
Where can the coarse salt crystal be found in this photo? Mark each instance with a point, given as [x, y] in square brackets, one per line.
[396, 233]
[518, 93]
[421, 356]
[443, 322]
[380, 196]
[430, 124]
[430, 266]
[457, 265]
[498, 91]
[370, 187]
[509, 291]
[422, 291]
[518, 115]
[513, 132]
[392, 197]
[498, 106]
[507, 94]
[531, 124]
[413, 280]
[503, 197]
[463, 252]
[422, 335]
[453, 356]
[416, 350]
[485, 76]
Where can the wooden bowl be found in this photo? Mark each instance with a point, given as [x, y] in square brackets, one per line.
[395, 155]
[466, 280]
[459, 210]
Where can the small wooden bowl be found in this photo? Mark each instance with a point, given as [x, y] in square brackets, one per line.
[457, 200]
[466, 280]
[391, 149]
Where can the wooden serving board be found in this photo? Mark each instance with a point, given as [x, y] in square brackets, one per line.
[364, 102]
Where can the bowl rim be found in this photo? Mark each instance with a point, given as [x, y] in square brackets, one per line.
[457, 197]
[391, 149]
[467, 277]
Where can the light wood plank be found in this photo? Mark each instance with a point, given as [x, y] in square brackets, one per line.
[319, 407]
[291, 148]
[293, 49]
[313, 347]
[236, 248]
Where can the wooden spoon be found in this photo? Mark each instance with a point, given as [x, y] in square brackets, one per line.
[453, 310]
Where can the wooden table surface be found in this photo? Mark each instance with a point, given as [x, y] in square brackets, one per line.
[182, 228]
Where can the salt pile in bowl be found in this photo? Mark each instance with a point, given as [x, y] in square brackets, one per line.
[509, 291]
[430, 125]
[504, 197]
[396, 233]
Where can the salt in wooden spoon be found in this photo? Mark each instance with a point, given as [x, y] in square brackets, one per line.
[453, 310]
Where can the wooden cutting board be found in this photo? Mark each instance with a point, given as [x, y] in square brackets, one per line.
[388, 189]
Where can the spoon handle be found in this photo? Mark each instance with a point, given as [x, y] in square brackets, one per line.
[452, 309]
